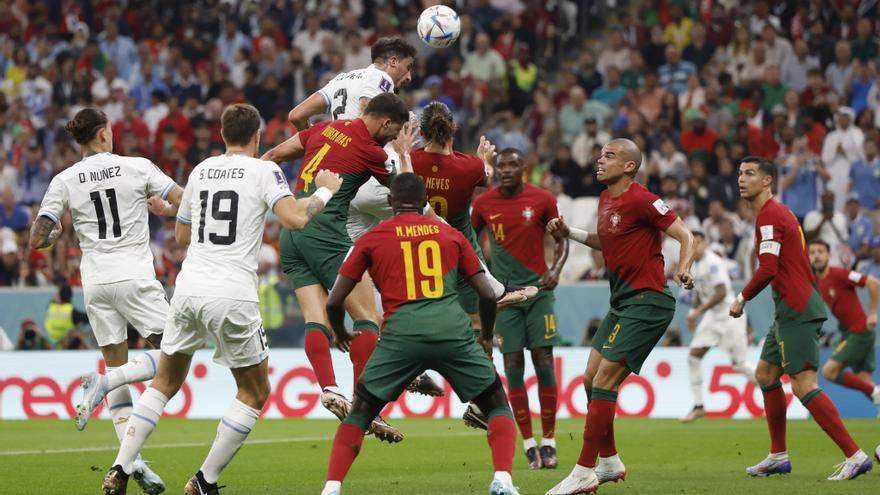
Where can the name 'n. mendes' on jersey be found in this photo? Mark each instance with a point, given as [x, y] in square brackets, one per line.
[517, 225]
[225, 202]
[630, 229]
[415, 263]
[347, 148]
[785, 265]
[107, 195]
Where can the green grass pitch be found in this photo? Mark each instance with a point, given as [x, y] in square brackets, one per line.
[437, 457]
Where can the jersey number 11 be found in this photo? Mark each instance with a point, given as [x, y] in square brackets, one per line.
[99, 212]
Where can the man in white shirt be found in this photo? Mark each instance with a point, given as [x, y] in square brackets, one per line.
[841, 148]
[830, 225]
[712, 297]
[227, 197]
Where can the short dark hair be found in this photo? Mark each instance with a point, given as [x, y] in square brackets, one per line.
[385, 48]
[820, 242]
[698, 233]
[512, 151]
[409, 187]
[86, 124]
[764, 165]
[65, 294]
[388, 105]
[239, 123]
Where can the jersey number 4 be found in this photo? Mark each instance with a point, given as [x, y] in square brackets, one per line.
[219, 211]
[308, 171]
[99, 212]
[430, 267]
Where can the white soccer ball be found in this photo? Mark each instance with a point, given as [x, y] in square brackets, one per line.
[439, 26]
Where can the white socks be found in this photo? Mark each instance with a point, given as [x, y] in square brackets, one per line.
[779, 456]
[234, 427]
[143, 420]
[548, 441]
[497, 286]
[332, 487]
[529, 443]
[504, 477]
[747, 369]
[141, 368]
[696, 379]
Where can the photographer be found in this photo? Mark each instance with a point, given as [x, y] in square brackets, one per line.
[31, 338]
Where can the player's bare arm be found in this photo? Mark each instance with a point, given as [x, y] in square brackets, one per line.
[290, 149]
[336, 312]
[294, 214]
[699, 308]
[44, 232]
[559, 230]
[873, 285]
[694, 312]
[166, 207]
[488, 308]
[550, 279]
[182, 232]
[300, 115]
[486, 152]
[680, 233]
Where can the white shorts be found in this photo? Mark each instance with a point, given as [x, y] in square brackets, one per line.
[726, 333]
[236, 327]
[111, 307]
[368, 208]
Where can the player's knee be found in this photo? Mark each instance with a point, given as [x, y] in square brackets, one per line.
[830, 372]
[155, 340]
[542, 357]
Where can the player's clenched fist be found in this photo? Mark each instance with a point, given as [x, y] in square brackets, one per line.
[557, 228]
[328, 179]
[736, 308]
[684, 279]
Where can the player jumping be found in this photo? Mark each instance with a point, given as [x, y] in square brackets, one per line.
[792, 342]
[630, 227]
[107, 196]
[857, 330]
[227, 197]
[713, 296]
[517, 215]
[415, 263]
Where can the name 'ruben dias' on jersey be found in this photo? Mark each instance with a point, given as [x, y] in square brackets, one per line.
[106, 195]
[226, 200]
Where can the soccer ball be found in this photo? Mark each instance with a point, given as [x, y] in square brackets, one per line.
[439, 26]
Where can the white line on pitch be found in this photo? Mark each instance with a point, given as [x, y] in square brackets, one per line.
[257, 441]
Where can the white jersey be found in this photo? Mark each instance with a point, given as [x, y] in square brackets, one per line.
[344, 92]
[710, 272]
[226, 201]
[106, 195]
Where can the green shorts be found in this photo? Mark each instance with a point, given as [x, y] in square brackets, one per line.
[396, 361]
[856, 351]
[529, 325]
[795, 347]
[308, 261]
[628, 335]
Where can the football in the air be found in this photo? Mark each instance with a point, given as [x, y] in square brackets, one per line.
[439, 26]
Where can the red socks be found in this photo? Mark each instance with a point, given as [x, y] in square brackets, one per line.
[317, 347]
[519, 402]
[361, 349]
[501, 434]
[547, 398]
[824, 413]
[346, 446]
[600, 421]
[774, 408]
[851, 380]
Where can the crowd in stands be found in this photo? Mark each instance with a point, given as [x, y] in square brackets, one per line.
[696, 84]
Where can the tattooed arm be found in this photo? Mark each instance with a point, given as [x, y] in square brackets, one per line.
[44, 232]
[295, 214]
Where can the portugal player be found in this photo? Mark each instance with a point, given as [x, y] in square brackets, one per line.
[415, 263]
[792, 343]
[517, 215]
[630, 228]
[857, 330]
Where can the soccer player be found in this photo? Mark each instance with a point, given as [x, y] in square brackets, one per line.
[713, 296]
[415, 262]
[312, 257]
[630, 227]
[107, 197]
[227, 197]
[857, 330]
[517, 215]
[792, 343]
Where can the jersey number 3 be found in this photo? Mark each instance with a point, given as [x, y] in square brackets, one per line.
[339, 110]
[430, 267]
[219, 211]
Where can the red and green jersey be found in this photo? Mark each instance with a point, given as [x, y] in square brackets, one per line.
[838, 289]
[630, 228]
[415, 264]
[784, 264]
[450, 181]
[347, 148]
[518, 224]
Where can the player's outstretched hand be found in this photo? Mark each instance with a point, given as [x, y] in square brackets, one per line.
[158, 206]
[328, 179]
[684, 279]
[736, 309]
[343, 340]
[407, 139]
[549, 280]
[557, 228]
[486, 150]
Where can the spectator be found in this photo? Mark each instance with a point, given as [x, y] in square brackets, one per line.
[131, 125]
[698, 139]
[484, 64]
[569, 171]
[588, 75]
[649, 98]
[864, 180]
[813, 130]
[674, 73]
[840, 71]
[773, 88]
[508, 133]
[796, 67]
[31, 338]
[711, 226]
[778, 49]
[761, 18]
[577, 110]
[142, 91]
[615, 54]
[699, 51]
[738, 54]
[9, 263]
[357, 53]
[597, 270]
[864, 78]
[841, 148]
[35, 175]
[865, 47]
[802, 172]
[13, 215]
[860, 227]
[119, 49]
[678, 29]
[582, 147]
[230, 41]
[720, 29]
[692, 97]
[832, 227]
[668, 161]
[62, 318]
[611, 93]
[653, 51]
[871, 266]
[724, 186]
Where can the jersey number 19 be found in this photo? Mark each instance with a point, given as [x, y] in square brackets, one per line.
[429, 266]
[219, 211]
